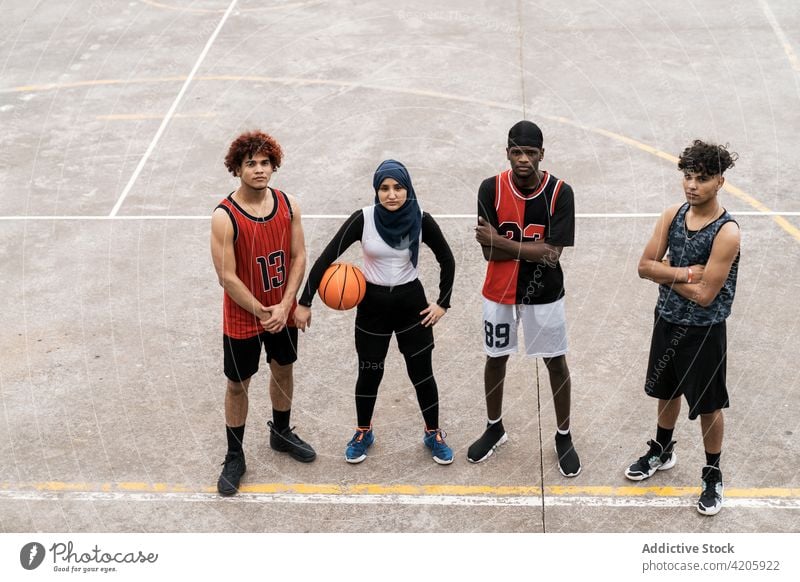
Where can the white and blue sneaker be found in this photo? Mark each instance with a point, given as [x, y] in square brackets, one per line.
[434, 440]
[356, 450]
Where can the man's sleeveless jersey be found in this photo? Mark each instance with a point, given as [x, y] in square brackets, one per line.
[263, 257]
[547, 213]
[686, 249]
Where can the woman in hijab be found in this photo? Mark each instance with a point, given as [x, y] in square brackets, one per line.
[390, 232]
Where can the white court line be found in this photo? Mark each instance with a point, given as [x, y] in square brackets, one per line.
[171, 112]
[435, 500]
[343, 216]
[776, 27]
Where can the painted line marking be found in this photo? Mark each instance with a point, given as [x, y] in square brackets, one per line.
[428, 500]
[728, 187]
[93, 83]
[606, 215]
[284, 6]
[737, 192]
[374, 494]
[778, 30]
[404, 489]
[171, 112]
[145, 116]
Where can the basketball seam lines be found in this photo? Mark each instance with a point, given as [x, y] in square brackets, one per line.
[328, 282]
[344, 286]
[358, 282]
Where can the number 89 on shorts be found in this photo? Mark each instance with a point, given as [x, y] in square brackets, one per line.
[497, 336]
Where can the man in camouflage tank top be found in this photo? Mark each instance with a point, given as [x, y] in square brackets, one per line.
[697, 283]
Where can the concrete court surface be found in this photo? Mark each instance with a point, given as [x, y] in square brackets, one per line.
[116, 117]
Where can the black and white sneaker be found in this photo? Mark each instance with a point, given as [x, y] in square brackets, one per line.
[232, 470]
[494, 436]
[710, 501]
[569, 464]
[286, 441]
[656, 459]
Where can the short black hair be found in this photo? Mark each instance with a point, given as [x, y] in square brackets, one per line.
[525, 134]
[706, 158]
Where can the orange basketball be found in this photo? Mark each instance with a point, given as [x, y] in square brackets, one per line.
[342, 286]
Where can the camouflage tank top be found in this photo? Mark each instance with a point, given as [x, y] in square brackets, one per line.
[688, 248]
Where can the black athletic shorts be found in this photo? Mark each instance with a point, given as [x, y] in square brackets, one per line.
[387, 310]
[689, 360]
[242, 355]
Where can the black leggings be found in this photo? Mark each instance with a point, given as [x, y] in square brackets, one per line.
[420, 372]
[383, 312]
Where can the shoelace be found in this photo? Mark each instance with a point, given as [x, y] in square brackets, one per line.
[710, 484]
[440, 436]
[287, 433]
[226, 462]
[360, 436]
[710, 490]
[651, 454]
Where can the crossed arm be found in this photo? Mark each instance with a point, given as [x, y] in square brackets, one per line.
[499, 248]
[706, 280]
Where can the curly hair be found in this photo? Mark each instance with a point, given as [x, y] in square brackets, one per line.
[706, 158]
[249, 144]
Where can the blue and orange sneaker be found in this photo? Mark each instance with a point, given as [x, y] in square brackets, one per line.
[356, 450]
[434, 440]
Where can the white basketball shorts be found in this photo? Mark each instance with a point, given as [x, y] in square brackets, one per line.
[544, 327]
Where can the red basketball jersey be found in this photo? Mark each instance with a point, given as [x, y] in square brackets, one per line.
[262, 246]
[547, 214]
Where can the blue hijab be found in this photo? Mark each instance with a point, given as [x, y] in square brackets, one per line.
[399, 229]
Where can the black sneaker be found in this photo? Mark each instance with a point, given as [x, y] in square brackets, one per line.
[286, 441]
[710, 501]
[232, 471]
[568, 462]
[656, 459]
[494, 436]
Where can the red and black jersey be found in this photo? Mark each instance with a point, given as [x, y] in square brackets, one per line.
[546, 213]
[262, 246]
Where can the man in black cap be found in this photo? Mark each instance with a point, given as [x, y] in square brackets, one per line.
[525, 218]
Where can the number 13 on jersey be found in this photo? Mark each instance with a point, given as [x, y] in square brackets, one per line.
[274, 261]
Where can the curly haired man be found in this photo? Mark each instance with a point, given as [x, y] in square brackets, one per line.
[697, 283]
[258, 249]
